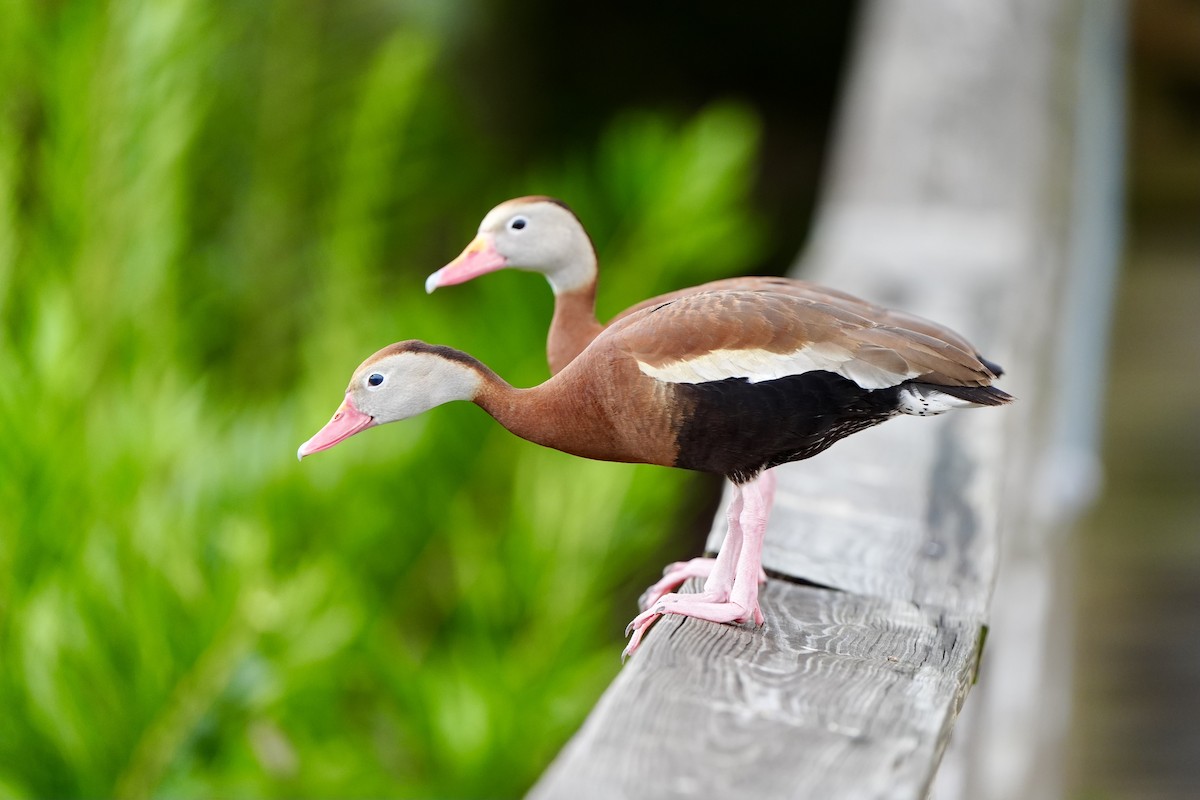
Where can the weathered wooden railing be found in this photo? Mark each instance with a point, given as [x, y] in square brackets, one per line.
[954, 194]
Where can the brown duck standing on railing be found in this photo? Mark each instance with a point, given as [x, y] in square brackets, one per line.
[729, 382]
[542, 234]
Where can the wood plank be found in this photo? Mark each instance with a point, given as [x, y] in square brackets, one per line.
[861, 690]
[948, 198]
[1011, 740]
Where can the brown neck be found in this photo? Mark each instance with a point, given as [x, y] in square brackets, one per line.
[593, 409]
[573, 327]
[541, 414]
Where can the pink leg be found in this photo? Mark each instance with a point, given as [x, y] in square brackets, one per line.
[754, 527]
[717, 572]
[674, 575]
[720, 580]
[766, 482]
[731, 591]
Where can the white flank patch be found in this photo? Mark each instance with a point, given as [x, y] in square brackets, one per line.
[763, 365]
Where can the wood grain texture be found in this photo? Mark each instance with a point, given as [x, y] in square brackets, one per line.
[836, 693]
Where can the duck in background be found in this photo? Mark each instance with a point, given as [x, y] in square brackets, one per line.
[542, 234]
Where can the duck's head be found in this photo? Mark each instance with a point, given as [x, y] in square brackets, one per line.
[539, 234]
[400, 381]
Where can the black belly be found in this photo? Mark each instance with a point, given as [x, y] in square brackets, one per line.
[737, 428]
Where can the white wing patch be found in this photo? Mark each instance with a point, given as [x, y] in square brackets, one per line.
[763, 365]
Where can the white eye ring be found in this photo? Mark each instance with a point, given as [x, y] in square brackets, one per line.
[518, 223]
[374, 381]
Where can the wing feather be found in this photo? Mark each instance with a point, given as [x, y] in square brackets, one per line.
[763, 335]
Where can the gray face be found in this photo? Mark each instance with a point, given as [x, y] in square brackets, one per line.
[542, 236]
[405, 384]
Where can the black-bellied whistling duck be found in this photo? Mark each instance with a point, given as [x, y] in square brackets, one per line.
[542, 234]
[729, 382]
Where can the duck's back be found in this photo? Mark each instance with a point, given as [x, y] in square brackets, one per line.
[734, 382]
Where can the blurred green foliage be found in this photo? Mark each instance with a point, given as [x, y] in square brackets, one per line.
[209, 214]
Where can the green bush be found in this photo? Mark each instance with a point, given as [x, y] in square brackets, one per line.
[207, 218]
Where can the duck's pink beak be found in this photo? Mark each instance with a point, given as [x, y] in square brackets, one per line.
[346, 422]
[479, 258]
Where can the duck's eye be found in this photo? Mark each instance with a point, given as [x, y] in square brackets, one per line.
[374, 380]
[517, 223]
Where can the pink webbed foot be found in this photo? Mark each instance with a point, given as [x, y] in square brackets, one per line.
[705, 605]
[674, 576]
[711, 606]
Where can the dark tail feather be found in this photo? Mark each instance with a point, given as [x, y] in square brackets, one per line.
[980, 395]
[995, 368]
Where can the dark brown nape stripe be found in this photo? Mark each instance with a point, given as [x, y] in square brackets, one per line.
[545, 198]
[560, 203]
[440, 350]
